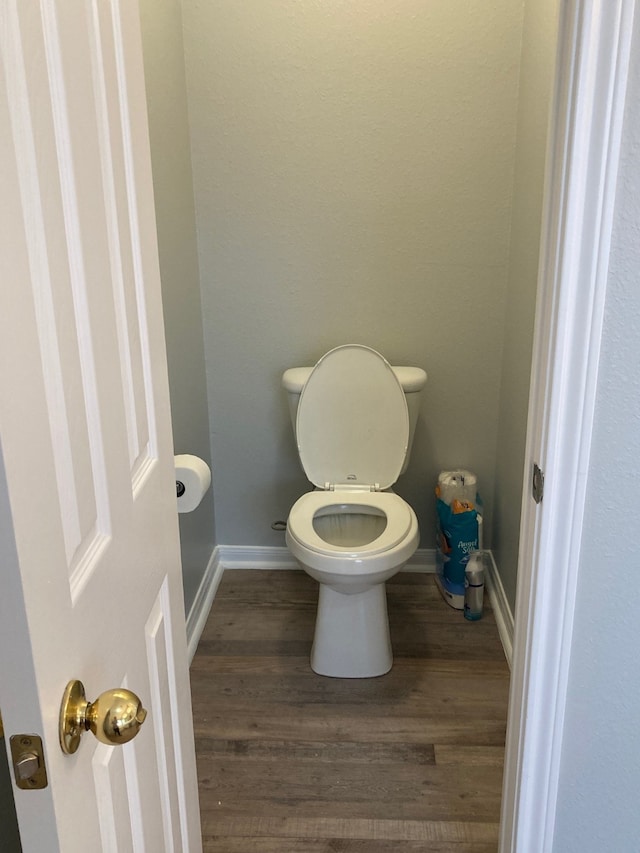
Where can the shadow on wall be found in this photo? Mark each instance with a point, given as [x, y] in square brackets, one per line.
[10, 842]
[418, 490]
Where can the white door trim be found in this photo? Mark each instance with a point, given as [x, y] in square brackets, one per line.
[583, 154]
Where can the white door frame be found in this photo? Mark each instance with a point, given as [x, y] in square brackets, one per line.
[583, 154]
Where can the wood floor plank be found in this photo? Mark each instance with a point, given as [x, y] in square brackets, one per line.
[298, 686]
[349, 723]
[252, 662]
[325, 723]
[272, 844]
[292, 761]
[322, 752]
[423, 831]
[242, 810]
[466, 756]
[345, 788]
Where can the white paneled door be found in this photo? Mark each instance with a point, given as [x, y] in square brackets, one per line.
[90, 567]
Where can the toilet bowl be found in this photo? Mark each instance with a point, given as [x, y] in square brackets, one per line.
[351, 544]
[352, 533]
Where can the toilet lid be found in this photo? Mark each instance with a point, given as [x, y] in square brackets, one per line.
[352, 423]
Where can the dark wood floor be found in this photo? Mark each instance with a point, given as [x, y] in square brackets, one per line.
[293, 762]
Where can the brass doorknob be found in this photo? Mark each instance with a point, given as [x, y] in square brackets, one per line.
[114, 718]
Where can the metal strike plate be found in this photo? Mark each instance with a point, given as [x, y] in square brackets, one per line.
[28, 762]
[537, 483]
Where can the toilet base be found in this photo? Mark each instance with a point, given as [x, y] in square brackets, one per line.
[352, 634]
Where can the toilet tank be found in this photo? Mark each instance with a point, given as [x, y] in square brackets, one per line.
[412, 380]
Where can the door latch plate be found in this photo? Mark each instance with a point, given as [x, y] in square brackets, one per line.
[537, 484]
[28, 762]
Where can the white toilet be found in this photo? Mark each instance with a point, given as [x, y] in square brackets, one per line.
[354, 418]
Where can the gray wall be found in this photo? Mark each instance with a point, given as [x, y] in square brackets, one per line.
[353, 172]
[172, 180]
[600, 767]
[539, 39]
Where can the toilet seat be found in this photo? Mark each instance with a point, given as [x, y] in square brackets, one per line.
[398, 513]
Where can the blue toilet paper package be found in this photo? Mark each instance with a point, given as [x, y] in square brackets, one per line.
[456, 539]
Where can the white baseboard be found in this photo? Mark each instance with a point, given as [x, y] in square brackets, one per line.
[256, 557]
[501, 608]
[201, 606]
[264, 557]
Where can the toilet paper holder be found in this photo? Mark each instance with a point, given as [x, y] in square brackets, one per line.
[180, 489]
